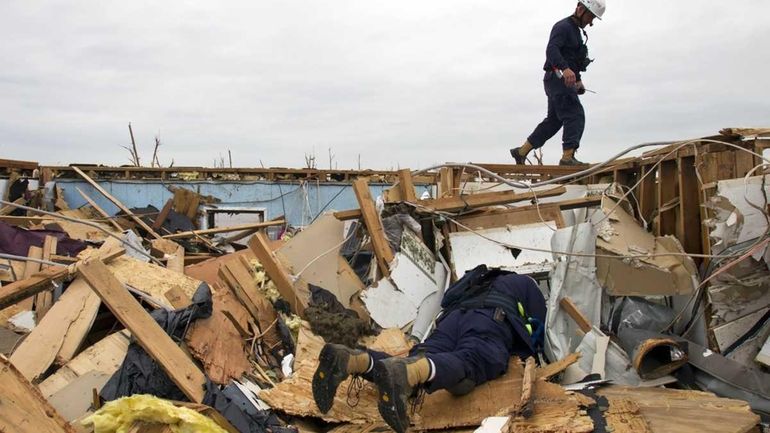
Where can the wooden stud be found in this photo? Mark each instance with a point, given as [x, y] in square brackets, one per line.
[101, 211]
[148, 333]
[162, 215]
[527, 406]
[461, 202]
[117, 203]
[28, 287]
[647, 193]
[44, 300]
[260, 246]
[572, 311]
[668, 190]
[446, 183]
[253, 226]
[371, 218]
[689, 224]
[406, 185]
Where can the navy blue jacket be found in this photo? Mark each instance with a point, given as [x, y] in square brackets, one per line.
[563, 49]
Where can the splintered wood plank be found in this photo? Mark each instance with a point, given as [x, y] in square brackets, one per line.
[77, 308]
[217, 343]
[105, 357]
[371, 218]
[30, 269]
[446, 182]
[163, 214]
[276, 272]
[675, 411]
[152, 279]
[147, 332]
[294, 395]
[44, 300]
[23, 409]
[23, 289]
[484, 199]
[647, 193]
[98, 209]
[406, 185]
[117, 203]
[668, 190]
[241, 227]
[689, 223]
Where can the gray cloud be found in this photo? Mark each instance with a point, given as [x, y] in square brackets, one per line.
[401, 83]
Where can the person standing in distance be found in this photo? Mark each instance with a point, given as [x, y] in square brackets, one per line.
[566, 58]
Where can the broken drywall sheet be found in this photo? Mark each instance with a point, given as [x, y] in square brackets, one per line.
[431, 306]
[726, 335]
[654, 273]
[394, 302]
[744, 212]
[315, 252]
[612, 361]
[573, 277]
[470, 249]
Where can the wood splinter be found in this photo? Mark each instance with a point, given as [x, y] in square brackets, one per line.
[527, 408]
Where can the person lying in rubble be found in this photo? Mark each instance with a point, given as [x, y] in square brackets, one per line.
[487, 317]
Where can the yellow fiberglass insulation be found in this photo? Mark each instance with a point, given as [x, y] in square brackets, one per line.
[119, 416]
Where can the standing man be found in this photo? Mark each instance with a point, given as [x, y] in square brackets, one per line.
[566, 58]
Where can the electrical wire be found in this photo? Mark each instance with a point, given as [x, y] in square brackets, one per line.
[29, 259]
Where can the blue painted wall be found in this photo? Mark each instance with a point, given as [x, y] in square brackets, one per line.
[300, 202]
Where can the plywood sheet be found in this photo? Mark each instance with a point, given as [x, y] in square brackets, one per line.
[151, 279]
[105, 356]
[216, 342]
[23, 409]
[75, 311]
[294, 396]
[674, 411]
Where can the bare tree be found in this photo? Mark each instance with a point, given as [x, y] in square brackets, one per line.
[331, 158]
[132, 150]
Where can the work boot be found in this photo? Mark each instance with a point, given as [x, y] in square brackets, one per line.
[519, 154]
[568, 158]
[572, 161]
[397, 379]
[337, 362]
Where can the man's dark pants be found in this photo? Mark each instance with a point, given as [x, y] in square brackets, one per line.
[468, 348]
[564, 110]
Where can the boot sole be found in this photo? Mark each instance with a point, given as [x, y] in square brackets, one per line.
[392, 407]
[327, 379]
[520, 160]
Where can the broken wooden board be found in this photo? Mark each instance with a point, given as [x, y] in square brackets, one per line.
[153, 339]
[208, 270]
[374, 227]
[82, 232]
[74, 312]
[105, 357]
[675, 411]
[294, 396]
[238, 228]
[117, 203]
[325, 235]
[23, 409]
[216, 342]
[554, 409]
[44, 300]
[663, 274]
[171, 251]
[152, 279]
[277, 273]
[98, 209]
[471, 201]
[23, 289]
[71, 401]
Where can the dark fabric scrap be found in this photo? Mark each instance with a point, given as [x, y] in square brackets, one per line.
[329, 319]
[17, 240]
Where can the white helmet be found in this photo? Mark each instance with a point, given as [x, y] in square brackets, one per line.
[597, 7]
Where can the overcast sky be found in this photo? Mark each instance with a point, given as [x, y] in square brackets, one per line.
[400, 83]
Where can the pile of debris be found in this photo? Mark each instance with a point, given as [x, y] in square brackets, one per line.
[656, 272]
